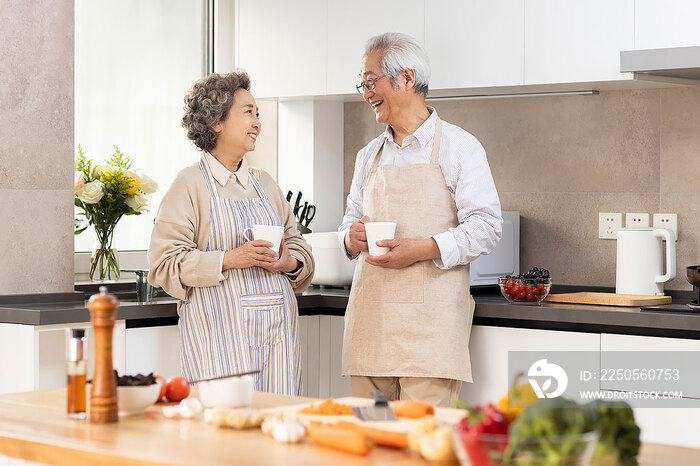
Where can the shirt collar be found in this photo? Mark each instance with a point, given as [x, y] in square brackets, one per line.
[425, 132]
[222, 174]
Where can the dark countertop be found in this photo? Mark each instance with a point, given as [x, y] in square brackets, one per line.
[491, 309]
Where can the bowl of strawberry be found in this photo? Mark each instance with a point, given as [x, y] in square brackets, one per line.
[531, 287]
[481, 438]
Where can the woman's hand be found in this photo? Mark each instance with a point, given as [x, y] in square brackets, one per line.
[285, 263]
[251, 253]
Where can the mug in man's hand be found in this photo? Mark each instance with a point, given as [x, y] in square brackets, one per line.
[271, 233]
[377, 231]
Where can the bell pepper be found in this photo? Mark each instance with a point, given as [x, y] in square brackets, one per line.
[518, 398]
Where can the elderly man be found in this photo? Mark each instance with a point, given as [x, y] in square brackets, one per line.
[409, 317]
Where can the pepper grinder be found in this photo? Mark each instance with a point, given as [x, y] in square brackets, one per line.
[103, 393]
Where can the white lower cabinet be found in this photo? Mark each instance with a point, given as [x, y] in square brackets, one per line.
[489, 347]
[153, 349]
[321, 354]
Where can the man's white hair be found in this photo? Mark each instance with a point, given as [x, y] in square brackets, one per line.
[401, 52]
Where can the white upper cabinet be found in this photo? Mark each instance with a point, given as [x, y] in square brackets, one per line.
[667, 23]
[282, 45]
[577, 41]
[350, 24]
[475, 43]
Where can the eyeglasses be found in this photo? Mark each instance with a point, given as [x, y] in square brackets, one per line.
[368, 84]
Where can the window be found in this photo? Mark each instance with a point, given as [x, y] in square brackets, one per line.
[134, 62]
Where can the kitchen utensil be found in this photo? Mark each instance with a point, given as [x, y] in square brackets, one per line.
[607, 299]
[289, 196]
[640, 263]
[302, 229]
[381, 411]
[132, 400]
[241, 374]
[297, 204]
[692, 274]
[230, 392]
[333, 268]
[307, 214]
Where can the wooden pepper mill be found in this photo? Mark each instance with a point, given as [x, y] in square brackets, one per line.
[103, 393]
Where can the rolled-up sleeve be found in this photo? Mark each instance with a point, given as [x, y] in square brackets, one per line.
[176, 261]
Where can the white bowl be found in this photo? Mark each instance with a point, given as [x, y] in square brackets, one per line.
[134, 399]
[227, 392]
[333, 268]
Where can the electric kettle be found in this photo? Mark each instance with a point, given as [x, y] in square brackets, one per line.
[640, 260]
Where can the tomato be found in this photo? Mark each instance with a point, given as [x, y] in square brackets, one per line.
[161, 380]
[177, 388]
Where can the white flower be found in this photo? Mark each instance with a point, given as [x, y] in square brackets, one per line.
[137, 202]
[91, 192]
[78, 182]
[146, 184]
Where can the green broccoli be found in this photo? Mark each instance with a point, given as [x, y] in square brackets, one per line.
[618, 443]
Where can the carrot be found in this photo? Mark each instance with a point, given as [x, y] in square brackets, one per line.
[384, 438]
[412, 408]
[327, 407]
[347, 441]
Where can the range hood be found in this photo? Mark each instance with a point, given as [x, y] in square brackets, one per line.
[679, 65]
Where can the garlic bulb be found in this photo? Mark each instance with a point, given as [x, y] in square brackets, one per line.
[288, 432]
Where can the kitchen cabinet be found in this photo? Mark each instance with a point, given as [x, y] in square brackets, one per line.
[671, 23]
[350, 24]
[321, 354]
[475, 44]
[153, 349]
[489, 347]
[283, 46]
[36, 355]
[574, 41]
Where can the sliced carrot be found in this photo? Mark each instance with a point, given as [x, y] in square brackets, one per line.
[412, 408]
[384, 438]
[347, 441]
[327, 407]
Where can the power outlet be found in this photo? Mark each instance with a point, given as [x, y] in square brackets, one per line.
[636, 220]
[667, 221]
[608, 224]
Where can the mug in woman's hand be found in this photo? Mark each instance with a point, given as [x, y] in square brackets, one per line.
[271, 233]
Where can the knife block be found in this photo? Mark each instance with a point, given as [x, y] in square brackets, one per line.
[103, 393]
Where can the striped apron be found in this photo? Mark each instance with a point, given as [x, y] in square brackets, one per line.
[249, 320]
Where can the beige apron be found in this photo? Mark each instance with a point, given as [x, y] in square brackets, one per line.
[413, 322]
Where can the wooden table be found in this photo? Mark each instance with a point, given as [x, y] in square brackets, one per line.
[33, 426]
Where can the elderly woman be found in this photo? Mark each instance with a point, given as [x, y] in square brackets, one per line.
[237, 306]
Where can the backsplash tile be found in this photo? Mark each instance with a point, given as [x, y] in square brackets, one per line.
[560, 160]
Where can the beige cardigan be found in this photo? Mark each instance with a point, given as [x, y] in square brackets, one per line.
[177, 255]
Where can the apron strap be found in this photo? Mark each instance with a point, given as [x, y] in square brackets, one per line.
[436, 142]
[208, 178]
[258, 187]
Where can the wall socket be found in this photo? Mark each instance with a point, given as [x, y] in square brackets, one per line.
[667, 221]
[608, 224]
[637, 220]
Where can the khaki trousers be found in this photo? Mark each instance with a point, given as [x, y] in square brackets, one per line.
[438, 392]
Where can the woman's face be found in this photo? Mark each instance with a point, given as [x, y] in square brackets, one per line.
[239, 131]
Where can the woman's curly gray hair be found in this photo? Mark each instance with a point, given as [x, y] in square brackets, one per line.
[208, 103]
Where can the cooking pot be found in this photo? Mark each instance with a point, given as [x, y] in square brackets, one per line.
[640, 260]
[333, 268]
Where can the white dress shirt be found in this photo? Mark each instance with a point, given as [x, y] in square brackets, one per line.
[467, 176]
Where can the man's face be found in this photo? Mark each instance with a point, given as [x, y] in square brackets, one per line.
[384, 99]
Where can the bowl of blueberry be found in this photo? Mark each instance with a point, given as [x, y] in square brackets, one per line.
[530, 287]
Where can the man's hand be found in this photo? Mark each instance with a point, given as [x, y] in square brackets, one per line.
[404, 252]
[356, 238]
[286, 263]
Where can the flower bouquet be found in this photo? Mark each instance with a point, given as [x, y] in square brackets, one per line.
[104, 193]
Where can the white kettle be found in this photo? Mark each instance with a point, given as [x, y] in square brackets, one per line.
[640, 260]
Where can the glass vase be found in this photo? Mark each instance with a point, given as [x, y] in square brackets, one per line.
[104, 263]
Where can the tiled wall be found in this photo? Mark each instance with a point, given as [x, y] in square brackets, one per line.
[36, 153]
[560, 160]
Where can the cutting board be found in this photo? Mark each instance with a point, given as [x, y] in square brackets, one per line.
[608, 299]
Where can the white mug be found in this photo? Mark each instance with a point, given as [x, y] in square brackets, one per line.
[377, 231]
[271, 233]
